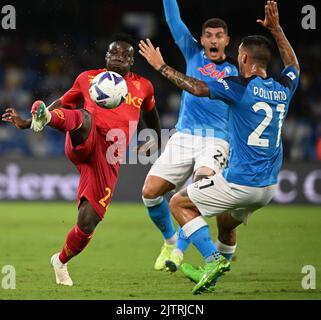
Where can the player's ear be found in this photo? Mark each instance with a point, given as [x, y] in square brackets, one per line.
[227, 40]
[202, 40]
[132, 61]
[244, 58]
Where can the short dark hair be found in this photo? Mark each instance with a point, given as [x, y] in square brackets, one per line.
[123, 37]
[259, 48]
[215, 23]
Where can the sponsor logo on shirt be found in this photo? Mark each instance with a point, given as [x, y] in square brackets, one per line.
[224, 83]
[211, 70]
[90, 78]
[134, 101]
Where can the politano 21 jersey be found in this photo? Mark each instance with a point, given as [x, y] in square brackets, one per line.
[258, 108]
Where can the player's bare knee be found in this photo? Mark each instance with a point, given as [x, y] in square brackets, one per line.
[150, 192]
[87, 218]
[156, 187]
[87, 224]
[153, 188]
[175, 203]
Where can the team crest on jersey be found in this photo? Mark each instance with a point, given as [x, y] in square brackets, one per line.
[90, 78]
[137, 84]
[211, 70]
[227, 70]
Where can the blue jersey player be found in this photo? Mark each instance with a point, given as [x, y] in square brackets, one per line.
[200, 146]
[258, 107]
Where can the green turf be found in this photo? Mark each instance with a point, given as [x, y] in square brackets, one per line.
[118, 263]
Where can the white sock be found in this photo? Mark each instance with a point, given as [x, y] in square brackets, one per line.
[178, 252]
[225, 248]
[173, 239]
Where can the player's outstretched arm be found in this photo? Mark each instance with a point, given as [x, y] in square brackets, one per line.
[174, 20]
[12, 116]
[155, 59]
[271, 22]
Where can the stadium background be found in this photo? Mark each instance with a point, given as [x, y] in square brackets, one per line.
[55, 41]
[53, 44]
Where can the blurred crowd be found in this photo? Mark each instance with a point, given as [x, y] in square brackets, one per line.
[38, 68]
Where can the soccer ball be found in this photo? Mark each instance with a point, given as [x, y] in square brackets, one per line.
[108, 89]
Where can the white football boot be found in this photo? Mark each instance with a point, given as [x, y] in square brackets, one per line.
[40, 116]
[61, 272]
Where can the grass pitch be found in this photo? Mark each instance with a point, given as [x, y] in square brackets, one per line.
[118, 263]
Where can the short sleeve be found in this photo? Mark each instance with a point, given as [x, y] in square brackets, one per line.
[73, 96]
[149, 101]
[235, 71]
[230, 89]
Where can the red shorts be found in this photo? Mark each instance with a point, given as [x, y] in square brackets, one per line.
[97, 177]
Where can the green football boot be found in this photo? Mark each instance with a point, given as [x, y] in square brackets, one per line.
[164, 255]
[195, 274]
[212, 271]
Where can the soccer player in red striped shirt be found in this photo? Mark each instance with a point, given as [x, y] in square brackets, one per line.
[88, 139]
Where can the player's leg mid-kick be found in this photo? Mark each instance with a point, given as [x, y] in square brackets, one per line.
[86, 144]
[78, 124]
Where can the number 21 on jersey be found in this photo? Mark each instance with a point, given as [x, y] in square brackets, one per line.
[254, 138]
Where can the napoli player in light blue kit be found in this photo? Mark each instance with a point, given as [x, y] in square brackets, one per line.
[258, 107]
[200, 146]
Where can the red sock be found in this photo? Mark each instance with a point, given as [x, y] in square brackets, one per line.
[76, 242]
[65, 120]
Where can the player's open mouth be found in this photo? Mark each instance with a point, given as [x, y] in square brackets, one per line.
[213, 50]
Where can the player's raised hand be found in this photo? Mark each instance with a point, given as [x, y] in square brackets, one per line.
[271, 20]
[11, 115]
[152, 55]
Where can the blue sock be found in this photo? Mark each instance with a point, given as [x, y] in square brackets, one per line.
[183, 242]
[161, 216]
[201, 239]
